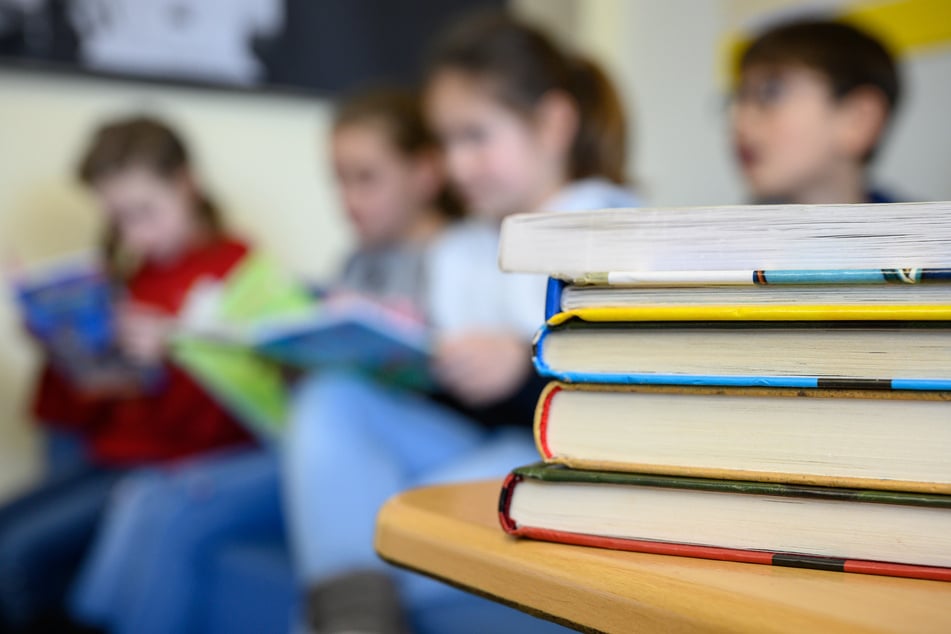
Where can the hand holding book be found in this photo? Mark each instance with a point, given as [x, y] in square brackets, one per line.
[68, 306]
[143, 332]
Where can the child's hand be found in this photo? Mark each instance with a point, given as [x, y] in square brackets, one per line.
[143, 332]
[482, 368]
[111, 383]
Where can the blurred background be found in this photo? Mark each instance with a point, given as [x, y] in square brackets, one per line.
[250, 84]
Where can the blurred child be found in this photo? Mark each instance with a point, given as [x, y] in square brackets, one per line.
[163, 235]
[151, 567]
[812, 103]
[393, 186]
[525, 126]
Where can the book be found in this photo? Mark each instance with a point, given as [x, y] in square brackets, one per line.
[207, 342]
[872, 532]
[868, 439]
[342, 332]
[240, 336]
[762, 277]
[904, 355]
[736, 302]
[350, 332]
[743, 238]
[68, 305]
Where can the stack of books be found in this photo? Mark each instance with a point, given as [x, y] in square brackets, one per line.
[767, 384]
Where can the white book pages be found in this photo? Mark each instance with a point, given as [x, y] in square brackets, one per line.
[737, 238]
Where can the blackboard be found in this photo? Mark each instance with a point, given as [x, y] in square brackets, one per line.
[313, 46]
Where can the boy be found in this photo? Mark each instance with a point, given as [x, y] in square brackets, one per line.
[812, 102]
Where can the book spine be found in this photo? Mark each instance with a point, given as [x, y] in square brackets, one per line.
[505, 502]
[852, 276]
[542, 411]
[553, 297]
[538, 353]
[765, 277]
[607, 378]
[755, 313]
[790, 560]
[764, 477]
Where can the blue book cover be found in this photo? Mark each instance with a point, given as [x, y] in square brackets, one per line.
[893, 380]
[553, 297]
[68, 306]
[358, 335]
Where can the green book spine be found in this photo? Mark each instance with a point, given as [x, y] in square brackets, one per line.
[559, 473]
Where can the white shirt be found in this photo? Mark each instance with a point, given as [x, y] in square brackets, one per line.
[467, 290]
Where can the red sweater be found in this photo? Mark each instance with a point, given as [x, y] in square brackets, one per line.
[178, 420]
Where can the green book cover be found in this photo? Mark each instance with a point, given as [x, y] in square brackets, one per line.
[249, 385]
[559, 473]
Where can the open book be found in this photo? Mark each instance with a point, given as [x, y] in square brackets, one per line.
[240, 336]
[67, 304]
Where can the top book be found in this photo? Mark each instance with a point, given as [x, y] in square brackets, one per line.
[713, 244]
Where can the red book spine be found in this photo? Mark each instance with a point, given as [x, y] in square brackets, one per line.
[790, 560]
[505, 501]
[542, 412]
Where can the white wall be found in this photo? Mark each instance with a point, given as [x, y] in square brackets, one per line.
[917, 157]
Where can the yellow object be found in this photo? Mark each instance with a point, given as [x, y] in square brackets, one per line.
[755, 313]
[908, 25]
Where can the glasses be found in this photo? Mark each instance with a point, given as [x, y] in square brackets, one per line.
[772, 90]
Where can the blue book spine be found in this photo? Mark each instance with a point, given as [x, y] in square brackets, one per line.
[553, 297]
[858, 276]
[903, 383]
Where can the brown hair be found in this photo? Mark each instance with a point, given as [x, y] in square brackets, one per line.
[140, 141]
[525, 65]
[847, 56]
[400, 114]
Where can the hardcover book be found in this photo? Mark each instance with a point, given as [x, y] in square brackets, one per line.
[894, 354]
[707, 245]
[870, 439]
[872, 532]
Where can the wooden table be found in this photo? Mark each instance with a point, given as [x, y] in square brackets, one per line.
[452, 533]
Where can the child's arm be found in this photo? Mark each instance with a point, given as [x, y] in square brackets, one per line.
[482, 368]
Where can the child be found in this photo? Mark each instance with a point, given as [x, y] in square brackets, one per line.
[812, 103]
[163, 235]
[151, 566]
[391, 178]
[525, 126]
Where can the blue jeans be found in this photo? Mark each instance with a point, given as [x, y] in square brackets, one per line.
[65, 453]
[146, 573]
[44, 535]
[352, 444]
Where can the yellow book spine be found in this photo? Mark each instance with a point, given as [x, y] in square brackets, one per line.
[756, 313]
